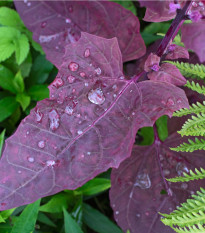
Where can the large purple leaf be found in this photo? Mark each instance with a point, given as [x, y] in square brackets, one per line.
[158, 11]
[137, 186]
[193, 36]
[87, 126]
[56, 23]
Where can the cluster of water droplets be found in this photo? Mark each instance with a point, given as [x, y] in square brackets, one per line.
[54, 119]
[143, 181]
[197, 11]
[27, 3]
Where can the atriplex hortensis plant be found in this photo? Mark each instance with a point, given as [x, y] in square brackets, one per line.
[90, 121]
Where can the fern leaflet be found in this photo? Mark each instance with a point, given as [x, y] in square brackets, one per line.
[195, 87]
[191, 146]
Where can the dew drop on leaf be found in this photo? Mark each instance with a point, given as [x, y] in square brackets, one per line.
[80, 132]
[58, 82]
[184, 185]
[31, 159]
[68, 20]
[179, 101]
[39, 116]
[121, 77]
[73, 66]
[87, 53]
[98, 71]
[96, 96]
[114, 87]
[143, 181]
[43, 24]
[54, 119]
[82, 74]
[41, 144]
[69, 110]
[117, 212]
[71, 79]
[181, 168]
[170, 102]
[50, 163]
[86, 84]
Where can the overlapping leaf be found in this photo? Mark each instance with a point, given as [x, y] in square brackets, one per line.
[193, 35]
[57, 23]
[87, 126]
[138, 191]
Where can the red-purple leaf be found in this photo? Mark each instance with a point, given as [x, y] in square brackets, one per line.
[193, 36]
[56, 23]
[152, 63]
[137, 186]
[176, 52]
[158, 11]
[168, 73]
[87, 126]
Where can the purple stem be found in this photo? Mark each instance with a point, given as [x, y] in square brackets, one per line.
[157, 143]
[174, 28]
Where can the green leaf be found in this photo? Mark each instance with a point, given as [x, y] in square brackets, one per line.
[38, 92]
[5, 214]
[162, 127]
[97, 221]
[154, 28]
[148, 136]
[70, 224]
[24, 100]
[22, 48]
[26, 221]
[129, 5]
[150, 38]
[56, 203]
[7, 79]
[94, 186]
[77, 211]
[7, 106]
[19, 82]
[2, 140]
[44, 219]
[9, 17]
[39, 71]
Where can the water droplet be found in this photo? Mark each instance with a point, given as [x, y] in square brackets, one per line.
[117, 212]
[69, 110]
[170, 102]
[58, 82]
[70, 9]
[98, 71]
[133, 113]
[181, 168]
[41, 144]
[114, 95]
[114, 87]
[194, 4]
[88, 153]
[82, 74]
[80, 132]
[73, 91]
[31, 159]
[86, 84]
[25, 1]
[166, 172]
[147, 213]
[82, 156]
[131, 194]
[57, 47]
[131, 91]
[179, 101]
[121, 77]
[19, 172]
[192, 192]
[27, 132]
[68, 20]
[143, 181]
[50, 163]
[54, 119]
[96, 96]
[138, 215]
[39, 116]
[73, 66]
[87, 53]
[28, 4]
[71, 79]
[43, 24]
[184, 186]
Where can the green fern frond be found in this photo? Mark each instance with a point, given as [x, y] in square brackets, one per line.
[195, 87]
[190, 213]
[194, 108]
[194, 126]
[191, 229]
[190, 70]
[191, 176]
[191, 146]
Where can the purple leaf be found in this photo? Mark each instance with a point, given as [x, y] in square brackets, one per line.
[168, 73]
[137, 186]
[56, 23]
[176, 52]
[193, 36]
[87, 126]
[152, 63]
[158, 11]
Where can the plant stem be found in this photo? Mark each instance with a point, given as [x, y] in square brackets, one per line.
[174, 28]
[157, 143]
